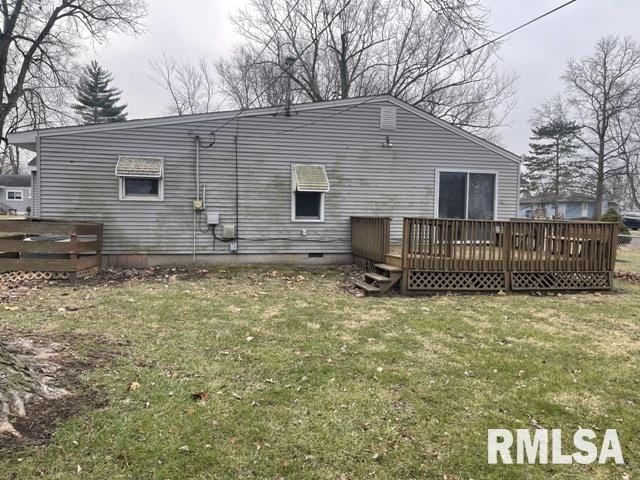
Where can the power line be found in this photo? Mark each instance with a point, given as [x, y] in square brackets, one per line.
[297, 57]
[437, 67]
[264, 49]
[468, 52]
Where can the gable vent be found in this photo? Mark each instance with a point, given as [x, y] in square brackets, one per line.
[388, 118]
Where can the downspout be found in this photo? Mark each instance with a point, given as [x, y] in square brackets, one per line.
[237, 139]
[519, 186]
[197, 140]
[38, 180]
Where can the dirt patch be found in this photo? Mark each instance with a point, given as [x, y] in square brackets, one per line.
[41, 382]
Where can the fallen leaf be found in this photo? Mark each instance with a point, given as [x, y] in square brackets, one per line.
[133, 386]
[200, 396]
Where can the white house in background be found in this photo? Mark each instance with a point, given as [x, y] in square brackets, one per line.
[15, 194]
[571, 206]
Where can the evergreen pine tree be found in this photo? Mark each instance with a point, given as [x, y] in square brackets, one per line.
[551, 165]
[97, 99]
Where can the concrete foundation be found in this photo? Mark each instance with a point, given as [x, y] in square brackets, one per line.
[144, 261]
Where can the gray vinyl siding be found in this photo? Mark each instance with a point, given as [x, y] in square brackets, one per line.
[35, 198]
[77, 178]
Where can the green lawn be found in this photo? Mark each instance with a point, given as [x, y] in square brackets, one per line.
[628, 259]
[306, 381]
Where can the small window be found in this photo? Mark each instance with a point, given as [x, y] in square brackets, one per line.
[308, 205]
[310, 183]
[141, 178]
[14, 195]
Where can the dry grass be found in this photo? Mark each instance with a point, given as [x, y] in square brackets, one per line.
[306, 381]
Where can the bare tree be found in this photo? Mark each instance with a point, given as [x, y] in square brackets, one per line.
[601, 90]
[37, 41]
[627, 137]
[343, 48]
[191, 87]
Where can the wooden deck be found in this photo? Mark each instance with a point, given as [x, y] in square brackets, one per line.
[479, 255]
[43, 250]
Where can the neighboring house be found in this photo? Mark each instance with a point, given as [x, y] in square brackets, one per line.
[570, 206]
[15, 193]
[275, 187]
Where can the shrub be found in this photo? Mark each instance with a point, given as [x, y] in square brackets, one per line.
[613, 216]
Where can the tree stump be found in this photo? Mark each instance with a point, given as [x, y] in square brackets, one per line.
[27, 375]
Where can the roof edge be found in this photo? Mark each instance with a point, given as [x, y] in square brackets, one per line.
[30, 136]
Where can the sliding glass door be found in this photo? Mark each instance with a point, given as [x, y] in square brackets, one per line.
[466, 195]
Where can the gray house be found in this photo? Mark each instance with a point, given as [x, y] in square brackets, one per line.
[15, 193]
[263, 186]
[571, 206]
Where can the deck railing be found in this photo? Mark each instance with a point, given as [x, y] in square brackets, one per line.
[370, 237]
[454, 245]
[449, 254]
[49, 249]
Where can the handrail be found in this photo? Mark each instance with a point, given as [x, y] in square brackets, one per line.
[370, 237]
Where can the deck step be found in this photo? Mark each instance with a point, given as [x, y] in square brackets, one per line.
[388, 268]
[367, 287]
[376, 277]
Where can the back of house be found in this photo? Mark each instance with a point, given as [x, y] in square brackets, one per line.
[263, 185]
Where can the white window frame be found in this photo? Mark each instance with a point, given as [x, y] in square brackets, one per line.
[294, 219]
[20, 192]
[141, 198]
[436, 204]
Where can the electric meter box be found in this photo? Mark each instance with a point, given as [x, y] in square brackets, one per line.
[228, 231]
[213, 218]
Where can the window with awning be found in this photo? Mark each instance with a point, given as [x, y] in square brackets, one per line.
[140, 178]
[310, 183]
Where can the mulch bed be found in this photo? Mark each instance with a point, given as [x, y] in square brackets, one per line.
[633, 277]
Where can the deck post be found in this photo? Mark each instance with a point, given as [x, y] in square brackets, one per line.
[73, 254]
[506, 255]
[406, 239]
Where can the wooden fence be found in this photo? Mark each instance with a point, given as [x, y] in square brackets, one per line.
[444, 254]
[370, 237]
[34, 249]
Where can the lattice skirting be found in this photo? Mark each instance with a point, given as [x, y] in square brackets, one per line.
[456, 281]
[560, 281]
[18, 277]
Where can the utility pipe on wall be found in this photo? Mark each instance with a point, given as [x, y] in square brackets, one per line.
[197, 139]
[197, 167]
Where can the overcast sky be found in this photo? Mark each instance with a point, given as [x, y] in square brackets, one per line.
[537, 53]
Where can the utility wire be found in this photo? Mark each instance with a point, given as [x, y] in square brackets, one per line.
[264, 49]
[468, 52]
[297, 57]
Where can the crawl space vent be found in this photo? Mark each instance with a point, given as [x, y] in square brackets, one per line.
[388, 118]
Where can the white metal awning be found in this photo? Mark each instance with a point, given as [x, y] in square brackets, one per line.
[140, 167]
[310, 178]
